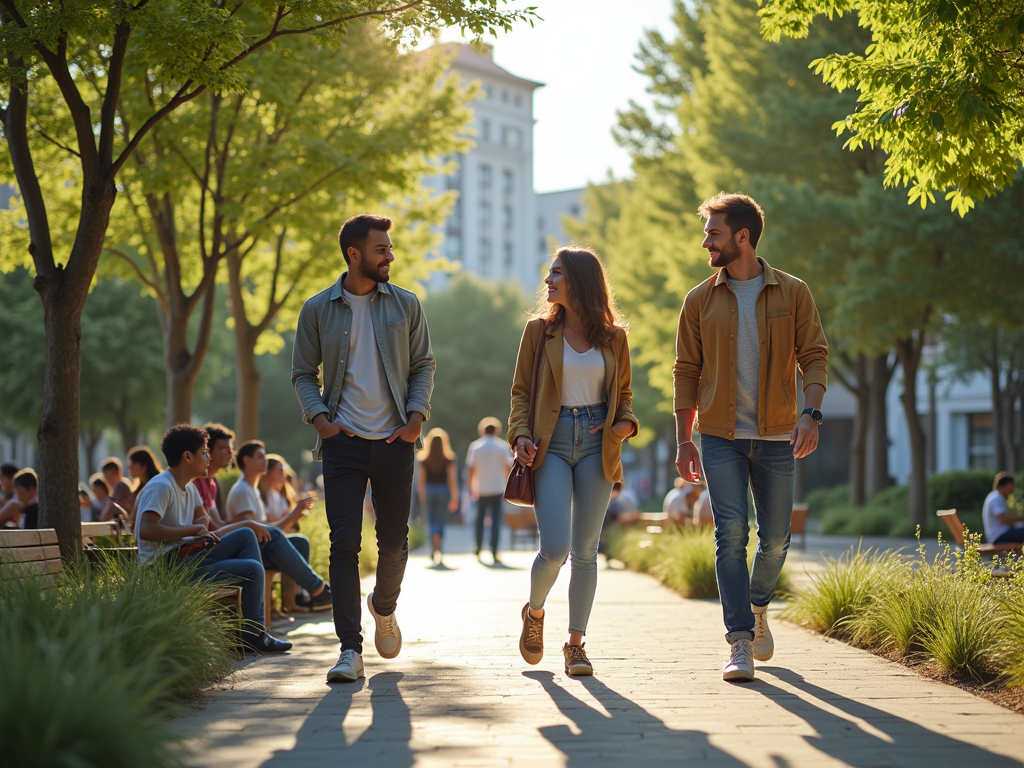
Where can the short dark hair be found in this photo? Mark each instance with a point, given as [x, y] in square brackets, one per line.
[181, 438]
[217, 432]
[247, 450]
[1002, 479]
[99, 480]
[741, 212]
[8, 470]
[27, 478]
[112, 463]
[353, 233]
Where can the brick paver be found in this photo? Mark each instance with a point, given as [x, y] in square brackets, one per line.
[460, 695]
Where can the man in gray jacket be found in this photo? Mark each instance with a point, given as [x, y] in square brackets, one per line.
[371, 341]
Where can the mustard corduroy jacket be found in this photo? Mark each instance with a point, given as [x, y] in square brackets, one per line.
[618, 396]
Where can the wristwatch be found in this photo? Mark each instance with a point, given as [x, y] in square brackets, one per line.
[815, 414]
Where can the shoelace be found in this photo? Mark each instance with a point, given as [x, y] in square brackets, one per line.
[534, 628]
[387, 625]
[741, 653]
[760, 624]
[576, 655]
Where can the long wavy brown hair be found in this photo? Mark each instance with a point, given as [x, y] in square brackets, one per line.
[590, 296]
[437, 452]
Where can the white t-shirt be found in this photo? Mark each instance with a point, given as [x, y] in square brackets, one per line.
[245, 498]
[493, 459]
[276, 505]
[675, 503]
[995, 504]
[174, 506]
[366, 406]
[582, 376]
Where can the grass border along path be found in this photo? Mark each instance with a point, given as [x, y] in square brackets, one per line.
[946, 618]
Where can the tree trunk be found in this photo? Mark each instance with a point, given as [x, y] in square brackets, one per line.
[181, 374]
[908, 351]
[878, 475]
[998, 416]
[247, 375]
[859, 443]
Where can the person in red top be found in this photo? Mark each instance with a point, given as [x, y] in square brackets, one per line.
[221, 454]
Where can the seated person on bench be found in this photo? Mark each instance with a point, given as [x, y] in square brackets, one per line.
[10, 507]
[165, 509]
[245, 508]
[1001, 525]
[26, 489]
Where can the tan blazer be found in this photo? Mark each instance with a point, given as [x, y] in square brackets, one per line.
[618, 396]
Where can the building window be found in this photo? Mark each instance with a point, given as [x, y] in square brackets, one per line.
[485, 257]
[574, 210]
[454, 223]
[981, 447]
[485, 214]
[511, 137]
[485, 130]
[542, 246]
[509, 258]
[504, 96]
[506, 217]
[454, 179]
[519, 100]
[489, 90]
[507, 181]
[485, 177]
[453, 247]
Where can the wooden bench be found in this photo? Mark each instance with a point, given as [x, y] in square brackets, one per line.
[91, 531]
[957, 528]
[30, 553]
[798, 523]
[522, 524]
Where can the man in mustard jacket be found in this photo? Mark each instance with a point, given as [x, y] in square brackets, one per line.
[743, 335]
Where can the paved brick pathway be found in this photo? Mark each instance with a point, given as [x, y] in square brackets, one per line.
[459, 694]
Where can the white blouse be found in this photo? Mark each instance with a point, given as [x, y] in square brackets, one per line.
[582, 376]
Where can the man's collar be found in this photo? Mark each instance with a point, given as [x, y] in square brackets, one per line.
[336, 291]
[769, 274]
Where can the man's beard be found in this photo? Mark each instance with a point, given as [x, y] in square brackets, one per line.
[726, 255]
[374, 273]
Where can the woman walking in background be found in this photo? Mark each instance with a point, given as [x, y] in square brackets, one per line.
[438, 486]
[583, 412]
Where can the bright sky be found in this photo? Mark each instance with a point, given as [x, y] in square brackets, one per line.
[583, 51]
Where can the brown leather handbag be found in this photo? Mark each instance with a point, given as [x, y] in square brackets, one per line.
[519, 486]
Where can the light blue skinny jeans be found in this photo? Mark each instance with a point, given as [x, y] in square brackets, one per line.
[767, 468]
[571, 500]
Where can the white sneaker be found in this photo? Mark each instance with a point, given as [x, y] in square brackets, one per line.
[387, 638]
[740, 666]
[764, 644]
[348, 669]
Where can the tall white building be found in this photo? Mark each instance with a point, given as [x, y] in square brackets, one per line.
[551, 208]
[491, 231]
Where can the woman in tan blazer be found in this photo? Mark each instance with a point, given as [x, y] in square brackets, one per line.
[583, 412]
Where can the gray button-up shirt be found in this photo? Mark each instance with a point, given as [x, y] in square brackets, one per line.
[321, 347]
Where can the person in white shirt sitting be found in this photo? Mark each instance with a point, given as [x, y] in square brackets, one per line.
[244, 505]
[489, 461]
[166, 518]
[1001, 525]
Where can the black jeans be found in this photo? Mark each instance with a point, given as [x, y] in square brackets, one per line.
[488, 505]
[348, 463]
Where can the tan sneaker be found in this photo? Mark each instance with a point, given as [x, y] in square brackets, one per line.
[387, 637]
[764, 643]
[576, 661]
[531, 640]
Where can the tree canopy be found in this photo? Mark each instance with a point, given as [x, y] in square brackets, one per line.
[938, 88]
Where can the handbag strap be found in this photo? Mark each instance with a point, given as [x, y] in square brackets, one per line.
[536, 373]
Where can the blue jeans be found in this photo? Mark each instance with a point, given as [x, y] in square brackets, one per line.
[572, 497]
[488, 506]
[767, 468]
[236, 558]
[282, 554]
[437, 497]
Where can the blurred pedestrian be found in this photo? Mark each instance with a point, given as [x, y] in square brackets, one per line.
[10, 507]
[488, 463]
[121, 490]
[438, 487]
[583, 413]
[26, 488]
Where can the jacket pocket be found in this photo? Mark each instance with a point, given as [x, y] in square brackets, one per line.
[705, 392]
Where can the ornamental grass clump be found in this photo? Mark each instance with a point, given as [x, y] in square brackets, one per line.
[843, 589]
[681, 558]
[92, 666]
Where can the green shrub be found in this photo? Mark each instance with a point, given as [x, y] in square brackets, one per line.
[821, 500]
[91, 666]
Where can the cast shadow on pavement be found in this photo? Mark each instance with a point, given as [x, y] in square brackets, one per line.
[631, 736]
[880, 738]
[321, 740]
